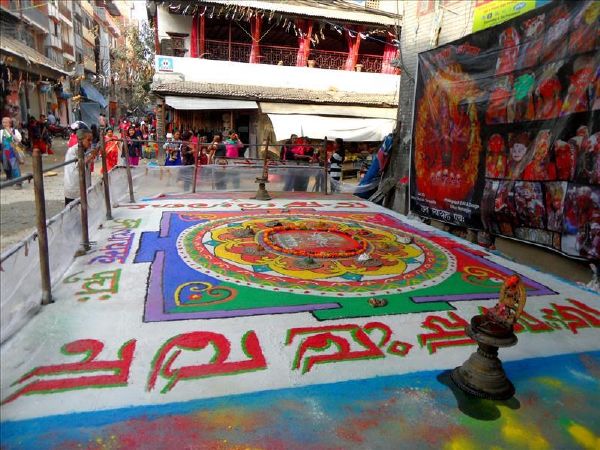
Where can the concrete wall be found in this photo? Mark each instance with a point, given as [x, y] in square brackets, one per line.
[175, 23]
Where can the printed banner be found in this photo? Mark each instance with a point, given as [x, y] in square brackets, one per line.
[506, 132]
[489, 13]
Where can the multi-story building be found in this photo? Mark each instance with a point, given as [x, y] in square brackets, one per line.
[54, 50]
[120, 87]
[32, 65]
[88, 37]
[269, 68]
[98, 31]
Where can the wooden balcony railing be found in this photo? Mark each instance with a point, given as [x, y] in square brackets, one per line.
[271, 54]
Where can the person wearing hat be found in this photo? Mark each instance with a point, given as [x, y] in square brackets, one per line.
[71, 175]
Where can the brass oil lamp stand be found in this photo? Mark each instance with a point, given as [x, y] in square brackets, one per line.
[482, 375]
[262, 193]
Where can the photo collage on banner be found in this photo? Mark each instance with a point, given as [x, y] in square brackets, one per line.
[506, 133]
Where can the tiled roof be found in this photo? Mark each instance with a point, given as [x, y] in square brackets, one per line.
[217, 90]
[18, 48]
[329, 9]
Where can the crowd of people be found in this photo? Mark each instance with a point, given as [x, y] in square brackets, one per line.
[133, 140]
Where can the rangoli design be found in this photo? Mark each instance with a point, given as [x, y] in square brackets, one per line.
[231, 264]
[303, 253]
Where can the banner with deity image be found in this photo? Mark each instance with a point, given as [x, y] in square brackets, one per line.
[506, 133]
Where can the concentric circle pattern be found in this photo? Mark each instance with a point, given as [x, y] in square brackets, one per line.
[310, 255]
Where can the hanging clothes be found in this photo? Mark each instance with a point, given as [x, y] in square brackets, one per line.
[305, 27]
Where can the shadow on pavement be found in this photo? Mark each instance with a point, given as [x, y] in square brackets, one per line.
[474, 407]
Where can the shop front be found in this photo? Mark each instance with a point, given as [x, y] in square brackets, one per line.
[209, 116]
[30, 81]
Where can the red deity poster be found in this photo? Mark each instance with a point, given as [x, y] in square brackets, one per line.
[506, 132]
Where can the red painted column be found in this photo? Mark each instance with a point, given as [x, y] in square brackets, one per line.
[255, 25]
[202, 43]
[353, 48]
[304, 42]
[194, 38]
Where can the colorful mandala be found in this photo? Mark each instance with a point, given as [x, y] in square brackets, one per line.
[305, 254]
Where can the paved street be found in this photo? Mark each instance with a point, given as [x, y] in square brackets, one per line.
[17, 213]
[232, 286]
[197, 337]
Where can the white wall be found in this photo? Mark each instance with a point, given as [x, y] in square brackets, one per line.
[175, 23]
[210, 71]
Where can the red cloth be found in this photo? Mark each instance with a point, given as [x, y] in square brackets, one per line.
[305, 26]
[194, 37]
[72, 140]
[390, 53]
[112, 153]
[41, 145]
[353, 47]
[255, 27]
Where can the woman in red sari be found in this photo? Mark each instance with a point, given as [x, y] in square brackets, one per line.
[111, 144]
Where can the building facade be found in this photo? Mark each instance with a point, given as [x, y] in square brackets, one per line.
[33, 74]
[274, 68]
[55, 56]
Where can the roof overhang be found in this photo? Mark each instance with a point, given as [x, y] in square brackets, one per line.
[91, 93]
[272, 94]
[332, 10]
[199, 103]
[30, 57]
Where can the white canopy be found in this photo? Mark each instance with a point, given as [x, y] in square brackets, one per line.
[329, 110]
[319, 127]
[198, 103]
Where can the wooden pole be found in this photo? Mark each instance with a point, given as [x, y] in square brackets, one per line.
[128, 168]
[195, 177]
[40, 206]
[85, 235]
[229, 43]
[156, 42]
[325, 174]
[161, 132]
[265, 173]
[105, 177]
